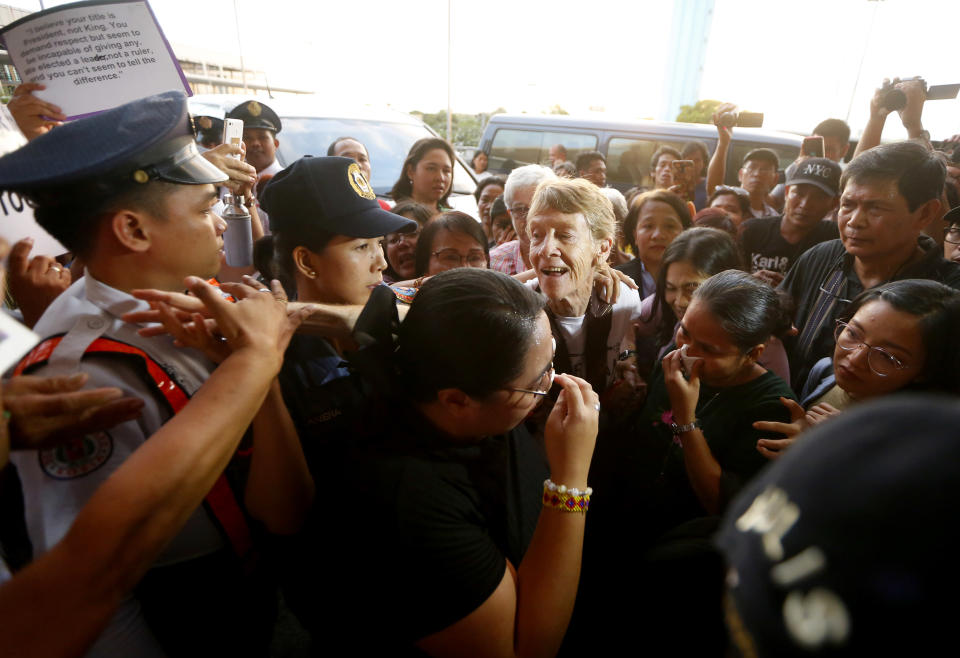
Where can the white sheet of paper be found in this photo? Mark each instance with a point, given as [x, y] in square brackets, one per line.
[15, 341]
[17, 222]
[16, 217]
[94, 56]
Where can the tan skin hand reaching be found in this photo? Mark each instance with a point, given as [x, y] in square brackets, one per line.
[77, 585]
[35, 282]
[45, 411]
[243, 176]
[800, 420]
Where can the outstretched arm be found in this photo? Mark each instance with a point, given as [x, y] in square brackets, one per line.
[131, 517]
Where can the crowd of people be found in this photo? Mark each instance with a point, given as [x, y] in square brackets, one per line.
[574, 423]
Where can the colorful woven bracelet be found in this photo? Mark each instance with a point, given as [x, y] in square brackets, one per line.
[557, 496]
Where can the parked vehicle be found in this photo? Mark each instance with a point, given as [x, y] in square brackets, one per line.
[310, 125]
[512, 140]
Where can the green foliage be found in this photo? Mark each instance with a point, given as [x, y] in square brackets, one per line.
[701, 112]
[467, 128]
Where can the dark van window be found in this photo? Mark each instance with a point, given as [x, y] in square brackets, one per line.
[628, 161]
[785, 152]
[514, 148]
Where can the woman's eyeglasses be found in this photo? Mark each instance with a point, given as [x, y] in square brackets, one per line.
[452, 258]
[545, 382]
[543, 386]
[881, 362]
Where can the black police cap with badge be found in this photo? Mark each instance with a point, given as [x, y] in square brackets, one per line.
[330, 195]
[847, 544]
[146, 139]
[255, 114]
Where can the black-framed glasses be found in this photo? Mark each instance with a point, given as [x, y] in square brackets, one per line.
[543, 386]
[881, 362]
[453, 258]
[951, 234]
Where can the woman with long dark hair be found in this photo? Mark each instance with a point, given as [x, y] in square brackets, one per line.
[427, 174]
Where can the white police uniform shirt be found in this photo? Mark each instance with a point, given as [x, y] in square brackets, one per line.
[274, 168]
[59, 481]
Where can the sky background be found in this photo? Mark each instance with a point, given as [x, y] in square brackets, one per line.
[794, 61]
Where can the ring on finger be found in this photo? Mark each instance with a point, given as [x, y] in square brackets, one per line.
[56, 268]
[596, 406]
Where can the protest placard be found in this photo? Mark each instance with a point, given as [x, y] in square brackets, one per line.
[93, 56]
[17, 222]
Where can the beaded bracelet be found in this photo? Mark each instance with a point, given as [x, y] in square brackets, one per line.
[557, 496]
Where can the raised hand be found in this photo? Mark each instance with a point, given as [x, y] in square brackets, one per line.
[571, 431]
[34, 282]
[33, 116]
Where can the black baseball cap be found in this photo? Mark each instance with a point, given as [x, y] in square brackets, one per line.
[821, 172]
[147, 139]
[846, 545]
[952, 217]
[329, 194]
[763, 155]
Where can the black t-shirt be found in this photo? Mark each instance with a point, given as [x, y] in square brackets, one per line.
[766, 249]
[640, 473]
[418, 535]
[410, 530]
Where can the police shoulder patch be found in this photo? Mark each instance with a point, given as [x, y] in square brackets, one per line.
[359, 183]
[77, 457]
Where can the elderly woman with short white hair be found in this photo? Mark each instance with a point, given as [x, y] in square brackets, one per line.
[572, 230]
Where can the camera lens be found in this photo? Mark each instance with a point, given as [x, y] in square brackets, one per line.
[894, 100]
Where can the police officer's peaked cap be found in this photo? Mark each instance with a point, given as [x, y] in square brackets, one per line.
[255, 114]
[146, 139]
[330, 195]
[208, 127]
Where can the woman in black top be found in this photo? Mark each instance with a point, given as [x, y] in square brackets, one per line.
[436, 535]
